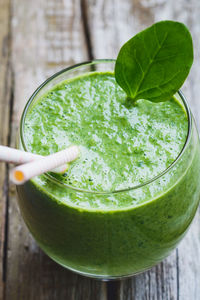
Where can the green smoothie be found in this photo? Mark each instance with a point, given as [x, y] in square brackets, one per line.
[111, 214]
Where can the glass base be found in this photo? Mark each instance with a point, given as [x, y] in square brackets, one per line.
[100, 277]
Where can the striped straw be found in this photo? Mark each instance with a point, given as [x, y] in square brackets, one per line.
[15, 156]
[23, 173]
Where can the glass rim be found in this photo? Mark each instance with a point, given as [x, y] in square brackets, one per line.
[64, 185]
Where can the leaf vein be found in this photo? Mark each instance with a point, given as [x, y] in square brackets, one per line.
[160, 86]
[126, 82]
[149, 66]
[137, 61]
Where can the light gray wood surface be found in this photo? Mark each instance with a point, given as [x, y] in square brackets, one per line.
[5, 114]
[38, 38]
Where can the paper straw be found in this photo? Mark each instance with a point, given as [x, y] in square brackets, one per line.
[15, 156]
[23, 173]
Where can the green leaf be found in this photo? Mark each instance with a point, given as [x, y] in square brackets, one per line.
[154, 63]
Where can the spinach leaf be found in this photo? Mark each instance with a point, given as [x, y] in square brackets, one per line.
[154, 63]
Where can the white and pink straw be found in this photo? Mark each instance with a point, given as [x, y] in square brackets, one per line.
[31, 165]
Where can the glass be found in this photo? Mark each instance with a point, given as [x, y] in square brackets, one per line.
[115, 243]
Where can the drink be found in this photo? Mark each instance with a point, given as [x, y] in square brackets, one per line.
[130, 197]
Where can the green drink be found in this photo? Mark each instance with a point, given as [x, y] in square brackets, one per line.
[130, 197]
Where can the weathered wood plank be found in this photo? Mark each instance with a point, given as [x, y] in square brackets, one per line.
[46, 36]
[111, 23]
[5, 93]
[45, 40]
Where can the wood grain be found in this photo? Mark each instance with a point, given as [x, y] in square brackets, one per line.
[46, 36]
[5, 101]
[111, 23]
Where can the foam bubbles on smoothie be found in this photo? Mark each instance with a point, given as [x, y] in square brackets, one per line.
[121, 145]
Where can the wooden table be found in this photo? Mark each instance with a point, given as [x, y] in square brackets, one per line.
[37, 38]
